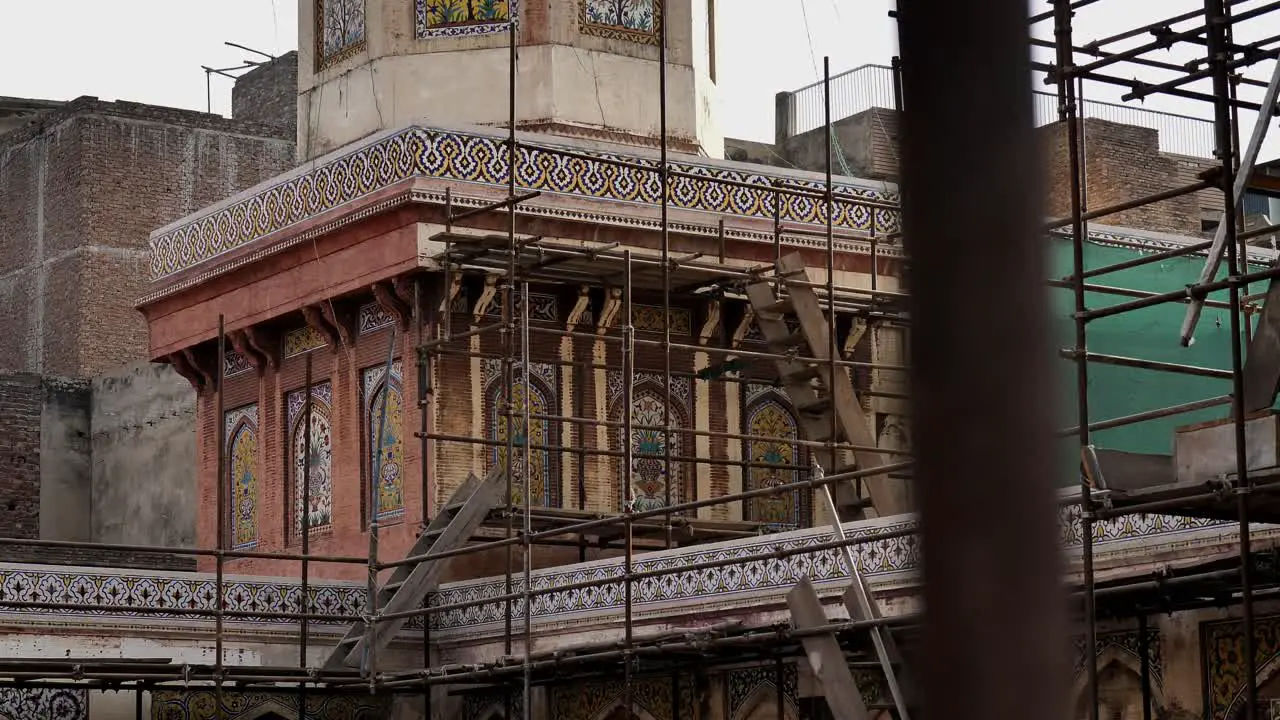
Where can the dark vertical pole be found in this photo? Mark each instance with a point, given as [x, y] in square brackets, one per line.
[1144, 652]
[993, 643]
[584, 370]
[1068, 112]
[778, 686]
[666, 273]
[508, 339]
[424, 447]
[830, 210]
[1218, 55]
[223, 477]
[137, 702]
[304, 602]
[628, 378]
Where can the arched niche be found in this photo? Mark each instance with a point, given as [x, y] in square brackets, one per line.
[1119, 688]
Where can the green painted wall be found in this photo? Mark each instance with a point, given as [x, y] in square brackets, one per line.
[1150, 333]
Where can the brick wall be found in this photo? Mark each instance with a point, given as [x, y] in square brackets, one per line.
[80, 191]
[97, 557]
[1122, 163]
[21, 398]
[269, 94]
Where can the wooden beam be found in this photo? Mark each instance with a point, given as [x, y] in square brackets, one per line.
[1262, 361]
[889, 495]
[824, 655]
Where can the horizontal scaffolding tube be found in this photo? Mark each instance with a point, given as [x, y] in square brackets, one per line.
[1135, 203]
[1071, 354]
[1151, 415]
[167, 550]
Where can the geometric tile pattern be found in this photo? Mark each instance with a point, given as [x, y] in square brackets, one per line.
[746, 682]
[635, 20]
[340, 30]
[44, 704]
[591, 700]
[454, 18]
[203, 705]
[481, 159]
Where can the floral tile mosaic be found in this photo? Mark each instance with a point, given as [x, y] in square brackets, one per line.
[340, 30]
[44, 704]
[203, 705]
[457, 18]
[635, 20]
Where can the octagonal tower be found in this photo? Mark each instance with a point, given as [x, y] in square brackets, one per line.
[586, 69]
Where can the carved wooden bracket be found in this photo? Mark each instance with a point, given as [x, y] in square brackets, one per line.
[580, 307]
[612, 303]
[320, 324]
[455, 287]
[240, 341]
[486, 298]
[342, 321]
[390, 300]
[183, 367]
[403, 286]
[265, 344]
[744, 325]
[713, 321]
[200, 369]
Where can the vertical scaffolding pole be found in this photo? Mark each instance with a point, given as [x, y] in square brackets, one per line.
[304, 602]
[424, 461]
[665, 178]
[508, 339]
[984, 478]
[1068, 112]
[527, 523]
[1144, 657]
[628, 370]
[1218, 51]
[220, 558]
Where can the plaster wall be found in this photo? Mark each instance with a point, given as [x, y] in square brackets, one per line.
[569, 82]
[65, 459]
[144, 443]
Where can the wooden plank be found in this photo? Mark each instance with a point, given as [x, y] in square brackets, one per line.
[773, 327]
[824, 655]
[1262, 361]
[424, 543]
[856, 612]
[426, 576]
[888, 494]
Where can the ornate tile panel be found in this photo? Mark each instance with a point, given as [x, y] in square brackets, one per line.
[634, 20]
[542, 307]
[241, 428]
[770, 421]
[372, 318]
[319, 479]
[44, 704]
[455, 18]
[648, 318]
[591, 700]
[203, 705]
[384, 454]
[303, 340]
[745, 684]
[340, 30]
[480, 159]
[542, 397]
[1222, 643]
[234, 364]
[1127, 641]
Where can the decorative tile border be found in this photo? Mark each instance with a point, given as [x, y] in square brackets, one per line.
[480, 159]
[303, 340]
[118, 595]
[234, 364]
[202, 704]
[542, 307]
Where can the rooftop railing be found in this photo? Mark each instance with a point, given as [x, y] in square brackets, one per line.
[871, 86]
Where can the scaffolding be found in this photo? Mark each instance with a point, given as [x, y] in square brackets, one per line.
[995, 467]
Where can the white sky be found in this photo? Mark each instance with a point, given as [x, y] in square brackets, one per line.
[151, 50]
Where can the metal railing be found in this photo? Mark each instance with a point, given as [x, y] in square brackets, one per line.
[871, 86]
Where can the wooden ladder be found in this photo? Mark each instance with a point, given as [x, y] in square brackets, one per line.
[814, 402]
[409, 585]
